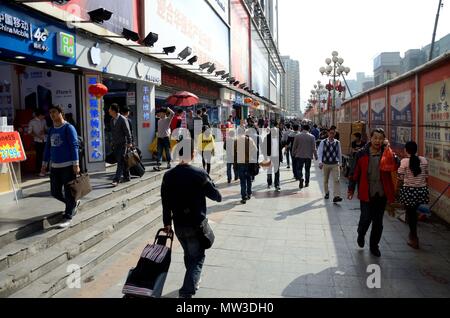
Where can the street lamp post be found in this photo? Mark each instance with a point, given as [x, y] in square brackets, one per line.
[334, 69]
[316, 98]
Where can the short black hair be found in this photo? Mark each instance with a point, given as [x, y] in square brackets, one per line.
[114, 107]
[306, 127]
[378, 131]
[57, 107]
[296, 127]
[204, 109]
[333, 127]
[199, 111]
[357, 135]
[124, 109]
[163, 110]
[39, 112]
[179, 111]
[315, 126]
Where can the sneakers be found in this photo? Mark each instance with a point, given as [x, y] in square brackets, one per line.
[65, 223]
[278, 189]
[115, 183]
[360, 241]
[301, 184]
[243, 201]
[327, 196]
[375, 251]
[269, 186]
[337, 199]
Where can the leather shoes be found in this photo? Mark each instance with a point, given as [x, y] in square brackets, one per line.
[375, 251]
[361, 241]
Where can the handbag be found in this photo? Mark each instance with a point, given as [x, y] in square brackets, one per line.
[80, 186]
[206, 235]
[253, 169]
[147, 279]
[132, 157]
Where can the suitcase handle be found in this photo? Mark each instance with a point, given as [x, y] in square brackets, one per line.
[167, 235]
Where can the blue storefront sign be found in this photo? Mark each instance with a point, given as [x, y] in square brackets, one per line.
[94, 123]
[34, 37]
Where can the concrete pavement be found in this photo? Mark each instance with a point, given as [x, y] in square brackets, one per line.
[293, 244]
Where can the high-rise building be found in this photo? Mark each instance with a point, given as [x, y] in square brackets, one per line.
[386, 66]
[413, 58]
[291, 85]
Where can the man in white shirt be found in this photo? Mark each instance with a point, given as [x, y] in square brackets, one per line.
[37, 128]
[163, 135]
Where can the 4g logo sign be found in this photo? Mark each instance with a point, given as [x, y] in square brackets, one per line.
[66, 45]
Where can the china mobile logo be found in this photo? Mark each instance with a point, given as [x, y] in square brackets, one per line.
[74, 279]
[374, 279]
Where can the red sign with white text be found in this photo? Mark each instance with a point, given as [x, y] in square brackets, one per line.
[11, 148]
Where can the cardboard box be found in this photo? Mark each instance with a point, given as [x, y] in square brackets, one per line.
[345, 137]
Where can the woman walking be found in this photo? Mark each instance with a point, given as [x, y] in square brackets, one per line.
[414, 192]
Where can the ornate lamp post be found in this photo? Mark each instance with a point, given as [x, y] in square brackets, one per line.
[317, 97]
[335, 69]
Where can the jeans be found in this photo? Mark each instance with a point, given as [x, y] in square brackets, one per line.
[372, 212]
[59, 177]
[307, 163]
[122, 167]
[229, 165]
[163, 144]
[246, 180]
[277, 177]
[288, 156]
[194, 257]
[40, 147]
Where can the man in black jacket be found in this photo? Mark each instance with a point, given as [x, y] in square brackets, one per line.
[121, 141]
[184, 191]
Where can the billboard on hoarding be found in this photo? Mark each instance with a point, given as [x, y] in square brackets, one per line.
[240, 42]
[364, 112]
[378, 113]
[401, 119]
[437, 131]
[260, 66]
[191, 24]
[125, 12]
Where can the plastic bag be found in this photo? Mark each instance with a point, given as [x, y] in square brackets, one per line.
[388, 162]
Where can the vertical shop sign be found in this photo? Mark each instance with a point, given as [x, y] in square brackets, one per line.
[94, 124]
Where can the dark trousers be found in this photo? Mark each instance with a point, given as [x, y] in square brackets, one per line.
[295, 167]
[277, 179]
[163, 144]
[372, 212]
[303, 162]
[229, 166]
[194, 257]
[122, 167]
[40, 147]
[411, 213]
[246, 180]
[288, 156]
[59, 177]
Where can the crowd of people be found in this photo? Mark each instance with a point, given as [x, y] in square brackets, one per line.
[248, 148]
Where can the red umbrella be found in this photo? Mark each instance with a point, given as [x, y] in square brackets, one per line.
[183, 99]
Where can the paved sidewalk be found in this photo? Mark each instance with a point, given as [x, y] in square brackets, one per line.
[293, 244]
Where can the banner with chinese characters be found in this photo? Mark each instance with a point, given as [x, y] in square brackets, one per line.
[11, 148]
[401, 119]
[364, 112]
[94, 123]
[437, 129]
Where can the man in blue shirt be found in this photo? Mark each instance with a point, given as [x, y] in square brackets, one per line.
[315, 132]
[61, 150]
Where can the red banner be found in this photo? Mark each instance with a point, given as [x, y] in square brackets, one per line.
[11, 148]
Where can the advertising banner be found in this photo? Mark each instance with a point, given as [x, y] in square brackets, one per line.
[35, 37]
[437, 131]
[41, 88]
[378, 113]
[260, 67]
[124, 12]
[240, 42]
[11, 148]
[401, 119]
[364, 112]
[191, 24]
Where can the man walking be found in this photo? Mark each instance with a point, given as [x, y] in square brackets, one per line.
[37, 128]
[274, 153]
[375, 189]
[303, 150]
[284, 142]
[184, 191]
[246, 154]
[290, 144]
[121, 141]
[163, 136]
[205, 117]
[315, 132]
[329, 161]
[61, 150]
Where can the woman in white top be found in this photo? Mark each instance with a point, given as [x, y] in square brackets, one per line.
[414, 192]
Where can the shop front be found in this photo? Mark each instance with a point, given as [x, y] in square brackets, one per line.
[130, 79]
[37, 70]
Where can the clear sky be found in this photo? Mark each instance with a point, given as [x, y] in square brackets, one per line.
[358, 29]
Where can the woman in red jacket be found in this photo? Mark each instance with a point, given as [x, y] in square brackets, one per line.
[375, 189]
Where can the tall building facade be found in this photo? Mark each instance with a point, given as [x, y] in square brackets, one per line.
[386, 66]
[291, 85]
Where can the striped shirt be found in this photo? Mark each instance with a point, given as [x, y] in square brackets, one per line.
[405, 174]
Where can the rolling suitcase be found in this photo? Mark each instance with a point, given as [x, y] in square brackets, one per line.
[148, 277]
[138, 170]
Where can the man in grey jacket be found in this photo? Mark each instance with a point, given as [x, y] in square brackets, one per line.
[121, 141]
[303, 150]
